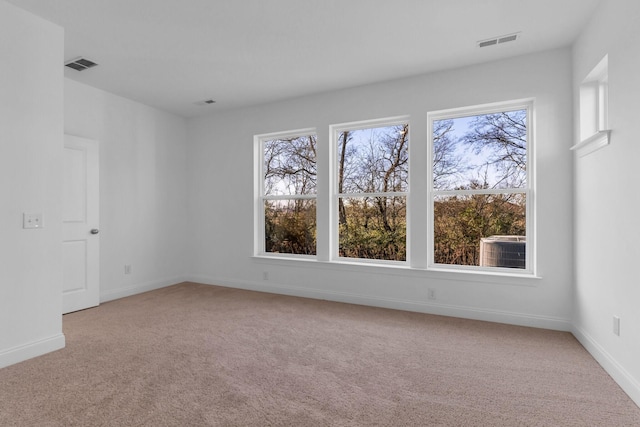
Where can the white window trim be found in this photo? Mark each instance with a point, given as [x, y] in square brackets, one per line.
[417, 209]
[260, 197]
[594, 110]
[521, 104]
[334, 132]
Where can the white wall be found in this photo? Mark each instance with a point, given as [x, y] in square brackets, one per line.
[31, 110]
[143, 195]
[607, 281]
[220, 164]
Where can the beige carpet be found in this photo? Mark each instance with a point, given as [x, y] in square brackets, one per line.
[197, 355]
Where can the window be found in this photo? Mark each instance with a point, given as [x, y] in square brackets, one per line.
[594, 110]
[371, 173]
[476, 181]
[481, 188]
[286, 215]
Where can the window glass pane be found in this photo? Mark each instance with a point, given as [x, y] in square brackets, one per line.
[482, 230]
[481, 151]
[290, 226]
[373, 160]
[290, 165]
[373, 228]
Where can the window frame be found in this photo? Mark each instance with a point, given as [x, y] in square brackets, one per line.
[528, 191]
[334, 241]
[260, 197]
[594, 110]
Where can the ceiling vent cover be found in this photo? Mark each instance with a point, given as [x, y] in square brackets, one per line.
[205, 102]
[80, 64]
[499, 40]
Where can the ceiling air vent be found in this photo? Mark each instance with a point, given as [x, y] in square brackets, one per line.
[205, 102]
[80, 64]
[499, 40]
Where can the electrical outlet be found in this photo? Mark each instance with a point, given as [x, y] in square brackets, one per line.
[127, 269]
[431, 294]
[616, 325]
[265, 275]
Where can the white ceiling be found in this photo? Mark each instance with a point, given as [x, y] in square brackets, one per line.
[170, 54]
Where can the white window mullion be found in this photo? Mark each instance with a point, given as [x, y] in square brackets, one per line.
[323, 203]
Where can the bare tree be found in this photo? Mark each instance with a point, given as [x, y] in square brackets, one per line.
[344, 139]
[290, 169]
[499, 142]
[290, 165]
[373, 161]
[503, 137]
[446, 163]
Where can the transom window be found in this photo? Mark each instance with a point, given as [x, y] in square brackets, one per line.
[481, 187]
[371, 165]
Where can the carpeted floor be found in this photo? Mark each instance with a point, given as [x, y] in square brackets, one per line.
[198, 355]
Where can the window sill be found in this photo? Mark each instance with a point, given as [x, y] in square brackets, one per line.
[405, 270]
[593, 143]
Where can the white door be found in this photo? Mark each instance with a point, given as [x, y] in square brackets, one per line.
[81, 241]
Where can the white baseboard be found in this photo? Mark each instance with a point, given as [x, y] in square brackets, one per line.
[626, 381]
[110, 295]
[397, 304]
[30, 350]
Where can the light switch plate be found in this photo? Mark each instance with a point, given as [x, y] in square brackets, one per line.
[32, 220]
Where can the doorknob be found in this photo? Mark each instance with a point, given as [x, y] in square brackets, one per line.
[94, 231]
